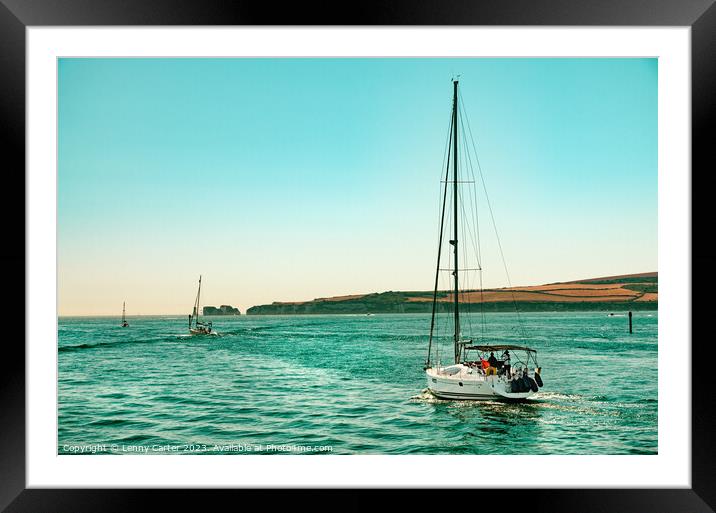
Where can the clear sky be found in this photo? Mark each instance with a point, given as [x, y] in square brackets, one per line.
[291, 179]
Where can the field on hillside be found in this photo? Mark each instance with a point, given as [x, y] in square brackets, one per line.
[636, 291]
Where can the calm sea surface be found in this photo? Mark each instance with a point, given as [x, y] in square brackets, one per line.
[301, 384]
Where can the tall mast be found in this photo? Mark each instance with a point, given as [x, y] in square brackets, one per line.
[123, 305]
[455, 213]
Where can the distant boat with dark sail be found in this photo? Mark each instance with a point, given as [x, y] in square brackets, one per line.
[125, 324]
[475, 371]
[197, 327]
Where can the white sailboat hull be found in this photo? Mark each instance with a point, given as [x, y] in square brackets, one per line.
[460, 382]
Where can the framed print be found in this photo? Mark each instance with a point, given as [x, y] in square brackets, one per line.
[425, 247]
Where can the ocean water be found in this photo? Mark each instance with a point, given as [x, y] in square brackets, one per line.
[346, 385]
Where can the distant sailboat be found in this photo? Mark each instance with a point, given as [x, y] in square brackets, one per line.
[198, 327]
[125, 324]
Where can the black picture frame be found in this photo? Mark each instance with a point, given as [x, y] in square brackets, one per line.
[16, 15]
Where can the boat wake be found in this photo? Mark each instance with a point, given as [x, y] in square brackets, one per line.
[110, 344]
[426, 396]
[188, 336]
[556, 397]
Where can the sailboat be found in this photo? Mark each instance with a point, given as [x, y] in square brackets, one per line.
[474, 371]
[196, 327]
[125, 324]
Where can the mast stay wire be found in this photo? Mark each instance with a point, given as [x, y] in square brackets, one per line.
[446, 156]
[494, 224]
[475, 219]
[465, 293]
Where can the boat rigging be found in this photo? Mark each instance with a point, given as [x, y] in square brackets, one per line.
[475, 372]
[125, 324]
[198, 327]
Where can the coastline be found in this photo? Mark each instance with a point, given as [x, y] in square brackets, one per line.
[612, 293]
[412, 308]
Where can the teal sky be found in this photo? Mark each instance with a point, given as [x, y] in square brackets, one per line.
[290, 179]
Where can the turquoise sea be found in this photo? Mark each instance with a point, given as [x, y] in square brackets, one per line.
[346, 385]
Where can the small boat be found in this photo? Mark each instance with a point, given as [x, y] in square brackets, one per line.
[474, 371]
[125, 324]
[196, 327]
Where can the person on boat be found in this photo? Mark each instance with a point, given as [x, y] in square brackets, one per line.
[506, 362]
[492, 360]
[485, 364]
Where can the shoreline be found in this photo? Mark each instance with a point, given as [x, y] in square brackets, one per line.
[651, 308]
[312, 309]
